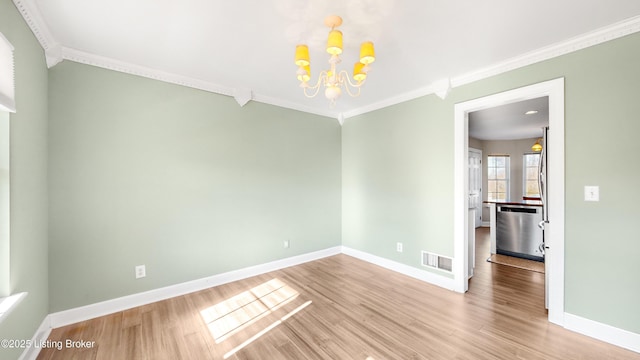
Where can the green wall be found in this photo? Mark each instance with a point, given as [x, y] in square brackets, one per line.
[397, 169]
[109, 171]
[397, 176]
[186, 182]
[28, 136]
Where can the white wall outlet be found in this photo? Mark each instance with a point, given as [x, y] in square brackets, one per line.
[399, 247]
[286, 244]
[591, 193]
[141, 271]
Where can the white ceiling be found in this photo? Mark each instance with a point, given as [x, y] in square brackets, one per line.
[247, 47]
[510, 122]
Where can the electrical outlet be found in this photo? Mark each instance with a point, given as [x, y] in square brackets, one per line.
[399, 247]
[141, 271]
[286, 244]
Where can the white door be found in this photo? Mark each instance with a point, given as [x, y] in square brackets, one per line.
[475, 184]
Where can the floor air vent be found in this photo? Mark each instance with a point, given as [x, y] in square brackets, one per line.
[437, 261]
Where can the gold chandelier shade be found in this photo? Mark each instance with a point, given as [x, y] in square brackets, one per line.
[367, 54]
[334, 42]
[302, 55]
[358, 72]
[537, 147]
[332, 80]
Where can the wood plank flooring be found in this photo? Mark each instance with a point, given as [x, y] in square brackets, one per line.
[342, 308]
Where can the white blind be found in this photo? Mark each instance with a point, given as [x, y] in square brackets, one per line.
[7, 96]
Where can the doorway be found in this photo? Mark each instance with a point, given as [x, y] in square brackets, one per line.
[554, 231]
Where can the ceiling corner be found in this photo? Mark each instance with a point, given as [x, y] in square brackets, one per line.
[31, 14]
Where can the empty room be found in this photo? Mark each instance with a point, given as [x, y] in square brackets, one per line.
[366, 179]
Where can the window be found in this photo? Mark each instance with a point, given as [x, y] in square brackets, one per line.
[498, 177]
[4, 204]
[7, 104]
[7, 93]
[530, 175]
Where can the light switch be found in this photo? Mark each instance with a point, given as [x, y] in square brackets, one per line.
[591, 193]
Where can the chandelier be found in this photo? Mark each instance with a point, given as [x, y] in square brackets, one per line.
[332, 80]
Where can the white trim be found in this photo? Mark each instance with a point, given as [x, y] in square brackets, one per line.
[294, 106]
[32, 16]
[554, 89]
[242, 96]
[575, 323]
[91, 311]
[7, 304]
[133, 69]
[556, 200]
[129, 68]
[583, 41]
[40, 337]
[426, 276]
[401, 98]
[592, 38]
[607, 333]
[460, 201]
[38, 26]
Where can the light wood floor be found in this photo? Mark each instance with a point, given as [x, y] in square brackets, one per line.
[342, 308]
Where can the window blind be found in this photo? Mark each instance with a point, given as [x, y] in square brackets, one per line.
[7, 96]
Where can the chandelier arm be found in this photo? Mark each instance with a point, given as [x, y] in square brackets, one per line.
[313, 94]
[344, 74]
[344, 79]
[315, 88]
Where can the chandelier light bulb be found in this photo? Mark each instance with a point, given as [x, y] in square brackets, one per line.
[304, 73]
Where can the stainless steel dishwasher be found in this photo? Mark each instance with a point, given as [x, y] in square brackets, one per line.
[517, 231]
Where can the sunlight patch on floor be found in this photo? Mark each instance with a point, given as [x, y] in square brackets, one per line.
[267, 329]
[240, 311]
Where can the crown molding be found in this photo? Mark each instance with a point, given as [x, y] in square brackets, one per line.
[242, 95]
[55, 53]
[592, 38]
[598, 36]
[414, 94]
[133, 69]
[294, 106]
[36, 23]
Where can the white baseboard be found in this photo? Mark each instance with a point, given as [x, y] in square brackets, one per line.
[39, 338]
[91, 311]
[607, 333]
[75, 315]
[411, 271]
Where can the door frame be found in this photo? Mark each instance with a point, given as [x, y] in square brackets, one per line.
[554, 231]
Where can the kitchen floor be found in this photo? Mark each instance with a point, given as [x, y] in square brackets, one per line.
[490, 278]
